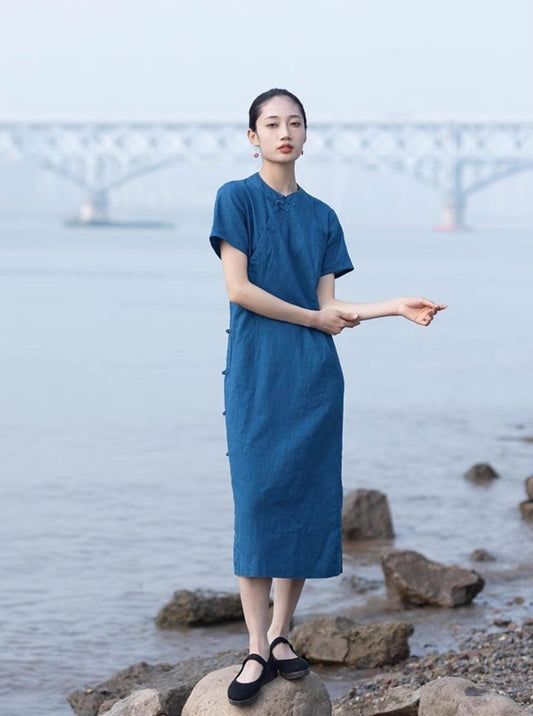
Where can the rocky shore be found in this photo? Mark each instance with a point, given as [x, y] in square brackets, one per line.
[367, 668]
[496, 664]
[501, 662]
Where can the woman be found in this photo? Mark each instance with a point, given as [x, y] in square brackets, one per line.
[281, 251]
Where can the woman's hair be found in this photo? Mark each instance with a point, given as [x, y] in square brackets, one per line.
[257, 105]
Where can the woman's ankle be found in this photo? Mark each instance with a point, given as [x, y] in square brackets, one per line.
[260, 646]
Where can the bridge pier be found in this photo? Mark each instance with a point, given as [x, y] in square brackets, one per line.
[452, 215]
[95, 209]
[454, 204]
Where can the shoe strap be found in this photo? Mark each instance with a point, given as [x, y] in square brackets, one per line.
[255, 657]
[279, 640]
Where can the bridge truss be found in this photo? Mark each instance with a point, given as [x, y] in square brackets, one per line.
[455, 158]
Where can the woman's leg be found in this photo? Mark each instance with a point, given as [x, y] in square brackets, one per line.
[286, 595]
[255, 598]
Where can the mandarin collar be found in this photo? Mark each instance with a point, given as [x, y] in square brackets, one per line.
[276, 196]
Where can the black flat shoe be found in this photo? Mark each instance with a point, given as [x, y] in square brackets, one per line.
[295, 668]
[242, 694]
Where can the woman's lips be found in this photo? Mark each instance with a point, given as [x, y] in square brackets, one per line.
[286, 149]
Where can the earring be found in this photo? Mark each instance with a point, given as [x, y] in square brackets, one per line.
[302, 153]
[256, 154]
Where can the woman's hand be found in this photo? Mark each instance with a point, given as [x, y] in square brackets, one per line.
[333, 321]
[419, 310]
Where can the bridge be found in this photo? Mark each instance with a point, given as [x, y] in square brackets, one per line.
[456, 159]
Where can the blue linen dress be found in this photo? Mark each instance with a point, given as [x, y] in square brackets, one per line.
[283, 386]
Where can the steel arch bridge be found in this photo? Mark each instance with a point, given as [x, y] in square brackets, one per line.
[456, 159]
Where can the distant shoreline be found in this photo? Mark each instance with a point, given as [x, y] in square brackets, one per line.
[79, 224]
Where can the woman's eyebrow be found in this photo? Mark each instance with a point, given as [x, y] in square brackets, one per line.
[275, 116]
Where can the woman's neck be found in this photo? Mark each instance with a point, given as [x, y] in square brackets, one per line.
[281, 177]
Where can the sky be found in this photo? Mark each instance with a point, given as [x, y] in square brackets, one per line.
[207, 59]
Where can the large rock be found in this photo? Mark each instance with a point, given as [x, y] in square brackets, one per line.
[339, 640]
[199, 607]
[411, 578]
[140, 703]
[366, 515]
[303, 697]
[529, 487]
[398, 701]
[172, 683]
[481, 473]
[454, 696]
[526, 508]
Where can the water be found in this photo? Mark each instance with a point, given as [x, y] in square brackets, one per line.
[114, 481]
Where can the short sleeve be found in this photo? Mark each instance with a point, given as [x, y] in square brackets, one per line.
[336, 258]
[230, 219]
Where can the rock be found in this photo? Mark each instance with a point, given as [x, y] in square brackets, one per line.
[481, 473]
[398, 701]
[339, 640]
[501, 622]
[514, 600]
[303, 697]
[172, 683]
[411, 578]
[529, 487]
[361, 585]
[454, 696]
[199, 607]
[481, 555]
[140, 703]
[526, 508]
[527, 626]
[366, 515]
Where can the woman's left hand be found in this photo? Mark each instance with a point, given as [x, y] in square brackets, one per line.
[419, 310]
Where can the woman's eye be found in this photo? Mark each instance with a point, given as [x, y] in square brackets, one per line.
[296, 124]
[272, 124]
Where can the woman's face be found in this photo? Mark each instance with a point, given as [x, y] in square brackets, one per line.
[280, 131]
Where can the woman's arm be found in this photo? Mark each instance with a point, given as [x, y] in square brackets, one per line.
[330, 320]
[415, 308]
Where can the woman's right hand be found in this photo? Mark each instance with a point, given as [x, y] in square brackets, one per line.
[332, 321]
